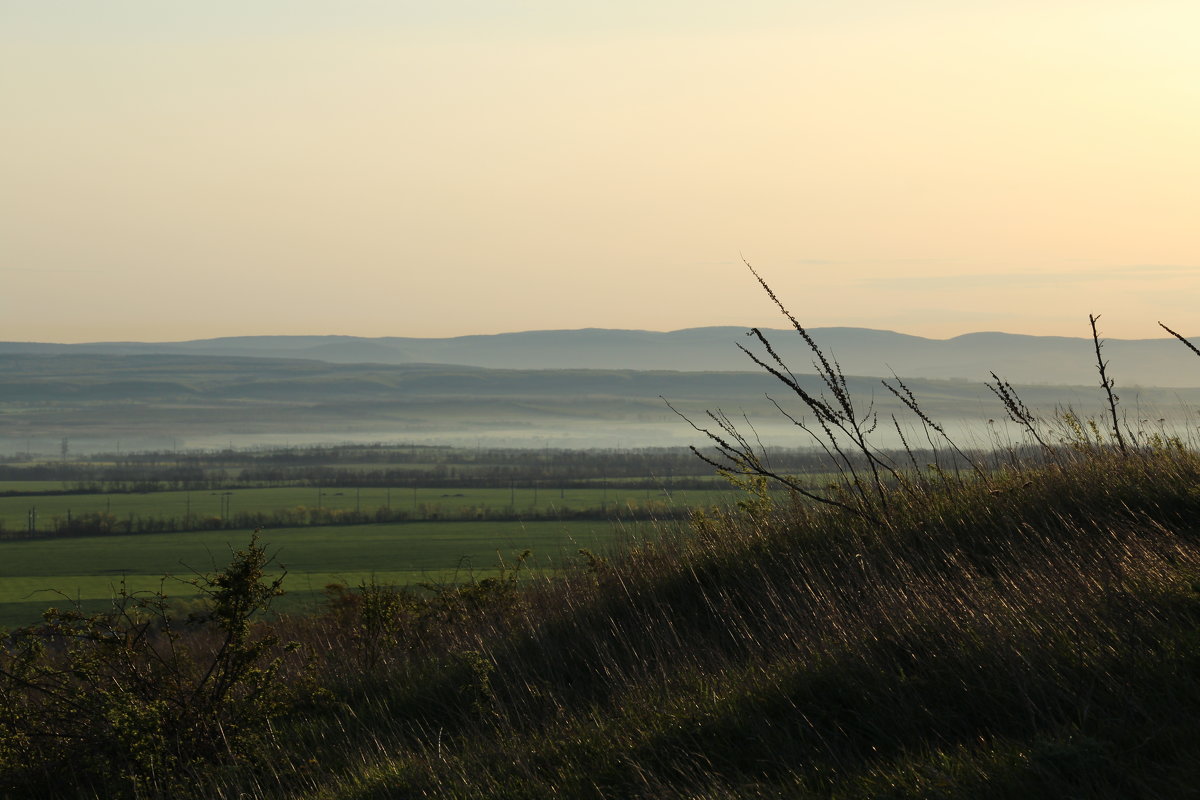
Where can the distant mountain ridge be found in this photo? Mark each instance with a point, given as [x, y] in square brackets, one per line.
[860, 351]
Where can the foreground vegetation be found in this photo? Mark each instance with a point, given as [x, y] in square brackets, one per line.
[1034, 634]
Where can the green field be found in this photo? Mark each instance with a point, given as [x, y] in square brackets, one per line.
[435, 532]
[33, 572]
[32, 486]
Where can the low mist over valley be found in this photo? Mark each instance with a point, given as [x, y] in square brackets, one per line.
[579, 388]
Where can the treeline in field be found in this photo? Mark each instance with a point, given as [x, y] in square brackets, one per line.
[380, 465]
[101, 523]
[288, 488]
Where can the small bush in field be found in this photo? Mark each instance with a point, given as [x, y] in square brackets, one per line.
[378, 619]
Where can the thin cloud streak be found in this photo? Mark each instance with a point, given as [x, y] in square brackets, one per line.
[1031, 279]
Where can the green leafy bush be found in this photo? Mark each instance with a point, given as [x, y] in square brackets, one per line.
[135, 699]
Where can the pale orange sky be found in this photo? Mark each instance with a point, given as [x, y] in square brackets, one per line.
[179, 170]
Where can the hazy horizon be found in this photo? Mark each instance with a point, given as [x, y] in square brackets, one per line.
[1083, 334]
[268, 167]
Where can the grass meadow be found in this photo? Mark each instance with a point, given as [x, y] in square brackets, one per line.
[37, 573]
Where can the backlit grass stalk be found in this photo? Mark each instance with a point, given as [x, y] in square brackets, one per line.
[1107, 384]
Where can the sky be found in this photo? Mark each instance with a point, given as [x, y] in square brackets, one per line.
[175, 170]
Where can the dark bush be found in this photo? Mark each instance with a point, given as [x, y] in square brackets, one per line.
[136, 700]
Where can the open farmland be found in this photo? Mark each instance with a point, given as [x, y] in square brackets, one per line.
[42, 572]
[72, 530]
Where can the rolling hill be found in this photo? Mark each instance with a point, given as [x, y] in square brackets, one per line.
[861, 351]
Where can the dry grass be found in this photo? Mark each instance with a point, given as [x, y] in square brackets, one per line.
[1037, 639]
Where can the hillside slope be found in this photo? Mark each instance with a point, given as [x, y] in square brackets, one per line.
[1037, 639]
[1027, 635]
[861, 351]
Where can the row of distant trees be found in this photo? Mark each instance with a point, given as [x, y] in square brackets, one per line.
[105, 523]
[329, 478]
[408, 467]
